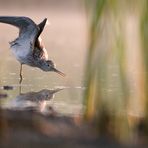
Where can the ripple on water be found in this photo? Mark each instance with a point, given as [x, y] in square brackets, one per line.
[12, 73]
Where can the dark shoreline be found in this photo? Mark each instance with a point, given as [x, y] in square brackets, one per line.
[31, 129]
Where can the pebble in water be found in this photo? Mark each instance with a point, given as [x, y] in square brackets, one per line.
[7, 87]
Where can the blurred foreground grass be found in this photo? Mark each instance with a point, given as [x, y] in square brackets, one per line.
[116, 96]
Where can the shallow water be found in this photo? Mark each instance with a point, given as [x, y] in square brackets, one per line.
[65, 41]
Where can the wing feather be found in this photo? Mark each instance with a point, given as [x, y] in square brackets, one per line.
[27, 28]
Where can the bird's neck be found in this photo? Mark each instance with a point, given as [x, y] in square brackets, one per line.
[38, 62]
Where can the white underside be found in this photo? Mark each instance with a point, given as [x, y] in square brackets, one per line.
[21, 50]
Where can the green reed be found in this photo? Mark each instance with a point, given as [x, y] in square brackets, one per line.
[144, 38]
[112, 87]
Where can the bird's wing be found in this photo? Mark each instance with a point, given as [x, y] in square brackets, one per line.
[37, 38]
[40, 51]
[41, 26]
[27, 28]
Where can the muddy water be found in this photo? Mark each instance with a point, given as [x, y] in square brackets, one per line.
[65, 41]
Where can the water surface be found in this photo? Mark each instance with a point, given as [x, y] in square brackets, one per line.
[65, 41]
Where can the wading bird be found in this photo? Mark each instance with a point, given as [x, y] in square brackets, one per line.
[28, 48]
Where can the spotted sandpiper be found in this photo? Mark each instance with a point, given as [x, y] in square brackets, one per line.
[28, 48]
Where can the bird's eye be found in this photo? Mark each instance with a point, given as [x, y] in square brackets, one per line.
[50, 64]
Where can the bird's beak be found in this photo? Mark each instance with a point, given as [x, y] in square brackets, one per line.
[59, 72]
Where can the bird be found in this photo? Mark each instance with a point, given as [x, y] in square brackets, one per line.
[36, 101]
[28, 47]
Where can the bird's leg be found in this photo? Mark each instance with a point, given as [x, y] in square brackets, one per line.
[20, 89]
[21, 77]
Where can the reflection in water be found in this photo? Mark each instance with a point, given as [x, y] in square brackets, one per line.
[36, 101]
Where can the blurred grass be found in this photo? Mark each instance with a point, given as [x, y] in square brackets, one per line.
[115, 67]
[144, 38]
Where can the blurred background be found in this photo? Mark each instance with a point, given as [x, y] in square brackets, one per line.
[101, 46]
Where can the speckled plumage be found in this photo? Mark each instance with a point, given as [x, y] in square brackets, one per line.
[28, 48]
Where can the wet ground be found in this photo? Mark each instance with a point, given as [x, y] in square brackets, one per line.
[30, 129]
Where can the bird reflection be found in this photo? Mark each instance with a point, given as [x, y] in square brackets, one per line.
[36, 101]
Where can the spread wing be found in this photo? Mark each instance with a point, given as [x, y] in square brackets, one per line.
[41, 26]
[27, 28]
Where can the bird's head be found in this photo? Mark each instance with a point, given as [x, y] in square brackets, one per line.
[50, 66]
